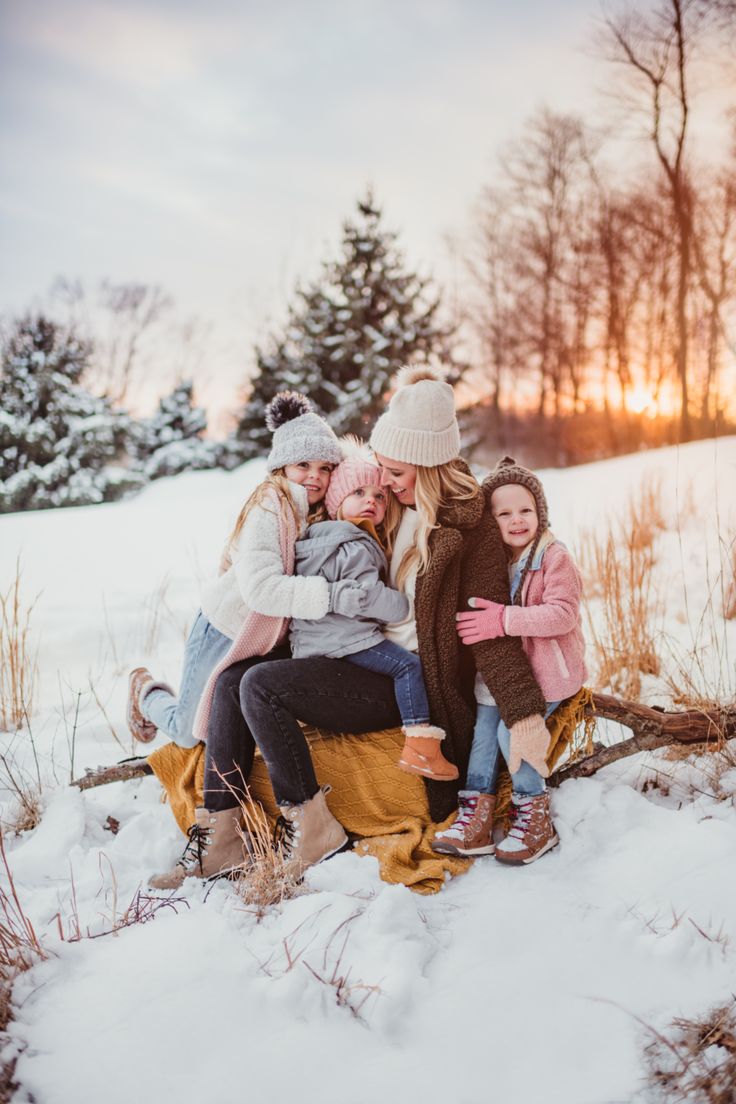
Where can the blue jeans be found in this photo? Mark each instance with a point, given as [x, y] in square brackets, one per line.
[174, 716]
[405, 668]
[491, 739]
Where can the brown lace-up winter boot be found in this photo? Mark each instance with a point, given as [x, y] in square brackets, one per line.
[141, 729]
[532, 832]
[471, 833]
[215, 849]
[309, 833]
[422, 753]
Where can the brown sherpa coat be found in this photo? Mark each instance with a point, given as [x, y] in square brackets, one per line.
[468, 559]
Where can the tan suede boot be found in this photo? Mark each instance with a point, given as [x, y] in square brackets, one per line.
[422, 753]
[215, 849]
[532, 832]
[309, 833]
[471, 833]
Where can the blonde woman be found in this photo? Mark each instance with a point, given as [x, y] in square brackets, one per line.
[447, 548]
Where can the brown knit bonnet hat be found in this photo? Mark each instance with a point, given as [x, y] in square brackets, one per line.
[508, 471]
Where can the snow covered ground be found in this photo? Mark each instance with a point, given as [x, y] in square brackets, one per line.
[538, 982]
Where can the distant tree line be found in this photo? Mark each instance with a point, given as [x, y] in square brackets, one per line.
[598, 308]
[601, 292]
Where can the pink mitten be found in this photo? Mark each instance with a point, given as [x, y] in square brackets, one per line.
[529, 741]
[483, 622]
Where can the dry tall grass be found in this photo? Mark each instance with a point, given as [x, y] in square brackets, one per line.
[17, 659]
[700, 672]
[266, 878]
[619, 568]
[698, 1061]
[729, 587]
[20, 949]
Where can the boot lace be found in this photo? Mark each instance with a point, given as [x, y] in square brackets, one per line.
[520, 819]
[464, 815]
[196, 847]
[283, 835]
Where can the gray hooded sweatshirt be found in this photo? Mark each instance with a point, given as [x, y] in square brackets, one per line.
[340, 550]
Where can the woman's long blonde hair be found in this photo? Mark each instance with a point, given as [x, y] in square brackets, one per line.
[274, 481]
[435, 489]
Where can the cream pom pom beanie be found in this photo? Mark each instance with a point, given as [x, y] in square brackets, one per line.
[420, 426]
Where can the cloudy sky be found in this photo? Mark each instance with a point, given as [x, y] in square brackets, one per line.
[214, 149]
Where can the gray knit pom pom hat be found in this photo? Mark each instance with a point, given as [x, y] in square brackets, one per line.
[508, 471]
[298, 432]
[419, 426]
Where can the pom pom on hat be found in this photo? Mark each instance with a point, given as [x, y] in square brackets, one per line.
[286, 406]
[415, 373]
[298, 432]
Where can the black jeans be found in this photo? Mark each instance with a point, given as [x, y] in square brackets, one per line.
[328, 693]
[230, 746]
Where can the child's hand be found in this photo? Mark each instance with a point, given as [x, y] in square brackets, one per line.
[347, 598]
[484, 622]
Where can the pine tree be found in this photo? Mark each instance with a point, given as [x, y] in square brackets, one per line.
[56, 439]
[348, 333]
[170, 442]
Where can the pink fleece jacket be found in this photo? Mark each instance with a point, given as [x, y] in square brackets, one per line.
[548, 622]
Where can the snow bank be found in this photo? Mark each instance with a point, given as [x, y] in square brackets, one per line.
[529, 982]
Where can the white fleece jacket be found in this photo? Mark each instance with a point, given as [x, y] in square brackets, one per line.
[256, 579]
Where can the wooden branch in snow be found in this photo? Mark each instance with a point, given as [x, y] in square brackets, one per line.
[652, 728]
[129, 768]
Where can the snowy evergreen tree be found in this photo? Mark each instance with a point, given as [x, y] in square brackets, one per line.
[348, 333]
[56, 439]
[170, 442]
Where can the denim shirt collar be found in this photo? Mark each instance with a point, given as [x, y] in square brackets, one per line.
[516, 569]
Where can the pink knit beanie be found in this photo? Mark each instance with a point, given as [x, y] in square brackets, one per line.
[358, 469]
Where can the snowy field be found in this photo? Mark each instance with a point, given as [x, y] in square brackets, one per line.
[540, 983]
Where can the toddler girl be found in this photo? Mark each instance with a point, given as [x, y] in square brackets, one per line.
[252, 578]
[350, 549]
[546, 589]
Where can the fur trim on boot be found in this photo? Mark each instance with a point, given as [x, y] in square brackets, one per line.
[422, 753]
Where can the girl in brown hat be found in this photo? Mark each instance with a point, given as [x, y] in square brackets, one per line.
[544, 612]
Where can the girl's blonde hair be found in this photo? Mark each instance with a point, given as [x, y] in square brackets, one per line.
[435, 489]
[274, 481]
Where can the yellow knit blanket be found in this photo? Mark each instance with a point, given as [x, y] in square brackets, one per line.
[370, 796]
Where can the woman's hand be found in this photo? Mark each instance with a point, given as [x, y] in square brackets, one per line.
[483, 622]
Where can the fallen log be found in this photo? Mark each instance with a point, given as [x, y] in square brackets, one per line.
[652, 728]
[120, 772]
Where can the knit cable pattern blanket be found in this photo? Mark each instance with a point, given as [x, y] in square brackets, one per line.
[375, 801]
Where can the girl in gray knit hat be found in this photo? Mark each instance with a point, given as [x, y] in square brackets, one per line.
[303, 453]
[545, 588]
